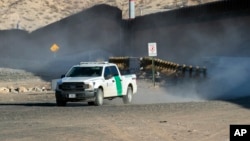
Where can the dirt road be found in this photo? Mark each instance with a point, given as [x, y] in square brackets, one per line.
[28, 117]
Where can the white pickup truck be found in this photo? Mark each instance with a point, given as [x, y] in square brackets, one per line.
[94, 81]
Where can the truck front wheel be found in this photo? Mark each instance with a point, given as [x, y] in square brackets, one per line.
[99, 97]
[128, 97]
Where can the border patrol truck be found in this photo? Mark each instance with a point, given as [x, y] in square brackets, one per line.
[94, 81]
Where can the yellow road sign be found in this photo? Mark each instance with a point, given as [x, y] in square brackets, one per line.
[54, 48]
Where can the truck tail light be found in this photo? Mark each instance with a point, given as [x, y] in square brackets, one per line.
[134, 79]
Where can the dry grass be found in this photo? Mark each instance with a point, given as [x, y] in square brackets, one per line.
[32, 14]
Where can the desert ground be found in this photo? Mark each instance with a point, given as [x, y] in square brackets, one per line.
[156, 113]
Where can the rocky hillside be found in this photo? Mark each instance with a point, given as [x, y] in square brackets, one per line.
[30, 15]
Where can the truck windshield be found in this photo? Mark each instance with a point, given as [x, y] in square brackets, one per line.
[85, 72]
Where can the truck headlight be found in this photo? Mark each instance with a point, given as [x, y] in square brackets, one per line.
[88, 86]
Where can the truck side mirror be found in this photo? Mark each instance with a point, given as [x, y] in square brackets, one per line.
[108, 76]
[62, 76]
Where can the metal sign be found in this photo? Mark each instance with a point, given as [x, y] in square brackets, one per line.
[152, 49]
[54, 48]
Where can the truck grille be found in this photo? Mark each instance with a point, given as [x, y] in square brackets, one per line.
[72, 86]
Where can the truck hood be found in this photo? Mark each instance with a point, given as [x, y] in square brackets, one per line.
[79, 79]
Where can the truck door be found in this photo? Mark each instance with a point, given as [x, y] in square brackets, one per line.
[110, 86]
[118, 81]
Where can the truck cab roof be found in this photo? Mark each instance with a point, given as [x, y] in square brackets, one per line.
[86, 64]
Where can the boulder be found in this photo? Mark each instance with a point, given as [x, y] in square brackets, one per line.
[37, 89]
[4, 90]
[22, 89]
[12, 89]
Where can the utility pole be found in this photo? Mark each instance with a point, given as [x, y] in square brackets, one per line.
[131, 9]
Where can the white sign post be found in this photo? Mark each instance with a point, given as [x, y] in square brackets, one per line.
[152, 51]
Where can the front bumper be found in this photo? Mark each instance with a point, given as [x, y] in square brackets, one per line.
[75, 95]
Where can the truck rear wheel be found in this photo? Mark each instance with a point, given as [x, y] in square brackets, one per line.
[99, 97]
[128, 97]
[91, 103]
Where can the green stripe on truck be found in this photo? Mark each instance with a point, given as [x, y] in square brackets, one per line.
[118, 85]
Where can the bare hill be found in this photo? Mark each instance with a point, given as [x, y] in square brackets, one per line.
[30, 15]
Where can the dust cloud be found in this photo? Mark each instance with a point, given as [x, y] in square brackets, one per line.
[228, 78]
